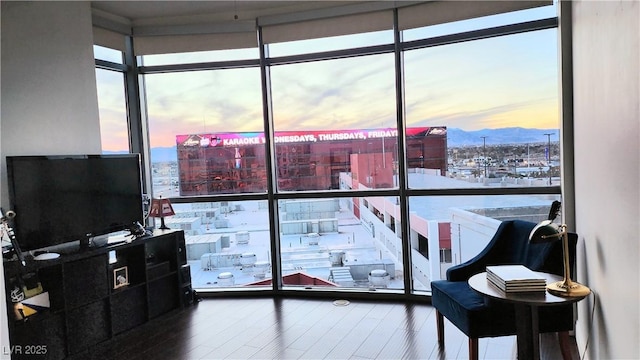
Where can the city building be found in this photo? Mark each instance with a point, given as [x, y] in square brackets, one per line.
[311, 160]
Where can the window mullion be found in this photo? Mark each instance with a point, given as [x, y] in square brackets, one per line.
[274, 225]
[402, 159]
[137, 128]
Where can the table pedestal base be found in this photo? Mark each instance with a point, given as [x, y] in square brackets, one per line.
[528, 333]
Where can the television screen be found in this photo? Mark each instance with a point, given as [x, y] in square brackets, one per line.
[59, 199]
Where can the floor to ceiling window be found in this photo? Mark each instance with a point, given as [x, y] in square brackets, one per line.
[207, 139]
[348, 162]
[497, 97]
[112, 106]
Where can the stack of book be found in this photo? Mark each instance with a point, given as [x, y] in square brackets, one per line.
[515, 278]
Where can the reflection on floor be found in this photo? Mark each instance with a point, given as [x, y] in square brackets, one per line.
[276, 328]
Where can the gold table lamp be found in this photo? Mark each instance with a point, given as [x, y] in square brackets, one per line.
[547, 231]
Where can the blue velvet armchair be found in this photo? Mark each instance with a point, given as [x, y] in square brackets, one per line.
[478, 317]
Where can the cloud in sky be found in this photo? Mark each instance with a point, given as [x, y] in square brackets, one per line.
[336, 94]
[111, 104]
[498, 82]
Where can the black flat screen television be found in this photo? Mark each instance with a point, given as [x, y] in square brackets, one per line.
[61, 199]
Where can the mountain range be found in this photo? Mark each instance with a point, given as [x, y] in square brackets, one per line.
[512, 135]
[455, 138]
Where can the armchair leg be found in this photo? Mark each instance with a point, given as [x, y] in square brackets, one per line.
[565, 344]
[440, 327]
[473, 348]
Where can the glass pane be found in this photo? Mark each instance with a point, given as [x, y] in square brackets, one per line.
[349, 243]
[328, 114]
[484, 22]
[103, 53]
[112, 107]
[498, 99]
[227, 242]
[201, 57]
[449, 230]
[208, 123]
[330, 43]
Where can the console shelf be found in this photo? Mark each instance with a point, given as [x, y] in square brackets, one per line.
[88, 305]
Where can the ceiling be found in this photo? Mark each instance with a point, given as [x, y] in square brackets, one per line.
[140, 12]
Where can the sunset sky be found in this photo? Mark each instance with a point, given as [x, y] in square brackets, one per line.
[500, 82]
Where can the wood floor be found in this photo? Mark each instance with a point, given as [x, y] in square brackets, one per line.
[268, 328]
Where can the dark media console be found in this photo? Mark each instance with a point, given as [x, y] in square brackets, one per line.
[97, 295]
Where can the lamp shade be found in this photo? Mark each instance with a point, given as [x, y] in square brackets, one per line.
[545, 231]
[161, 208]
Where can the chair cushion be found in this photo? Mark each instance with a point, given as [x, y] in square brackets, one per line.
[471, 312]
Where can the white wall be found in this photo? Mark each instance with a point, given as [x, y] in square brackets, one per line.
[48, 88]
[49, 97]
[606, 42]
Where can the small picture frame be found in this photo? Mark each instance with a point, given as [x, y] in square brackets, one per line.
[120, 277]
